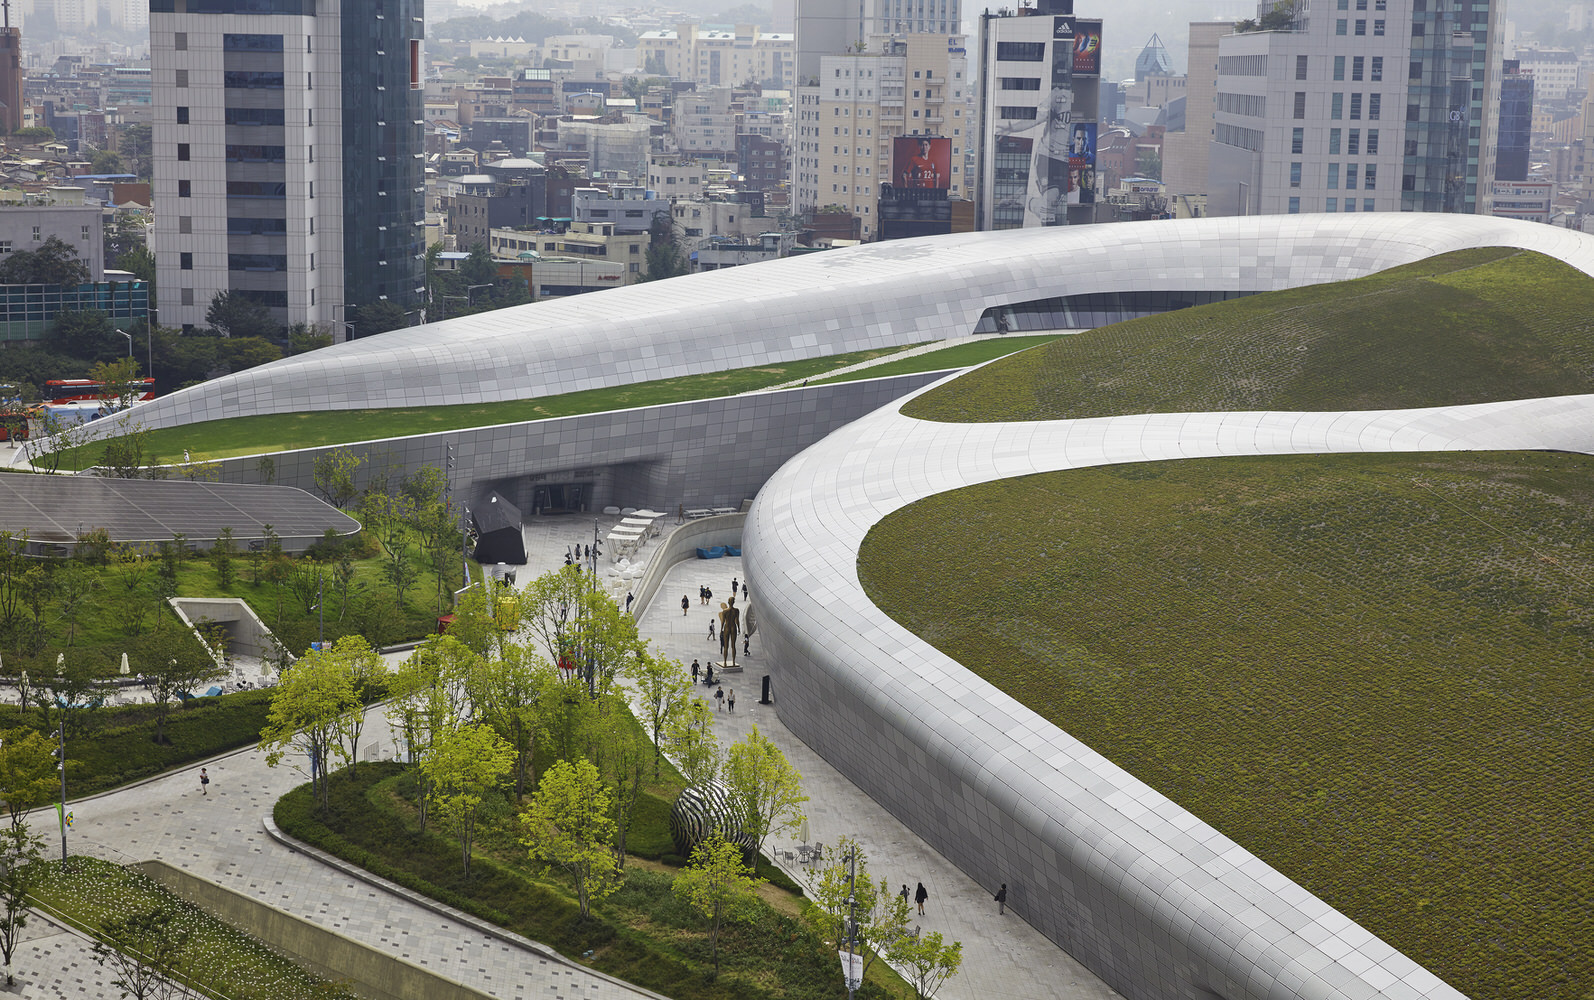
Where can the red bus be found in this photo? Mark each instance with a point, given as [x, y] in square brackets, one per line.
[85, 390]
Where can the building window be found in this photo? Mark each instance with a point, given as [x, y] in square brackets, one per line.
[1300, 105]
[1339, 67]
[182, 78]
[1297, 141]
[1295, 175]
[1356, 107]
[1333, 141]
[1021, 51]
[1377, 73]
[1414, 70]
[180, 41]
[182, 115]
[187, 296]
[1350, 204]
[1300, 67]
[1372, 142]
[185, 261]
[185, 224]
[182, 151]
[1361, 26]
[1295, 206]
[1336, 106]
[185, 189]
[1353, 145]
[1331, 205]
[1370, 177]
[1021, 83]
[1367, 205]
[5, 246]
[1013, 113]
[1339, 26]
[1350, 176]
[1356, 66]
[1374, 106]
[36, 234]
[1333, 177]
[1378, 27]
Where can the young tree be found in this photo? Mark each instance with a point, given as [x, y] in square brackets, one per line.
[427, 699]
[664, 690]
[233, 314]
[761, 777]
[121, 378]
[580, 626]
[53, 263]
[567, 826]
[27, 772]
[20, 853]
[171, 660]
[841, 889]
[307, 710]
[75, 583]
[223, 553]
[507, 701]
[718, 884]
[622, 756]
[697, 752]
[379, 317]
[144, 946]
[927, 960]
[665, 258]
[86, 334]
[366, 671]
[464, 765]
[333, 474]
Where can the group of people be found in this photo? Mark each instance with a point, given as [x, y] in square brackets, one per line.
[722, 700]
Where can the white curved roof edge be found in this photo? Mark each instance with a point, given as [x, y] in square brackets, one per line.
[872, 296]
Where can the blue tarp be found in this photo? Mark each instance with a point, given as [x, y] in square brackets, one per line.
[717, 552]
[733, 550]
[213, 692]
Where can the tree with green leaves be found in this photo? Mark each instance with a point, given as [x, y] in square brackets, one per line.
[622, 754]
[840, 888]
[333, 474]
[140, 262]
[138, 146]
[427, 697]
[764, 781]
[27, 772]
[581, 626]
[379, 317]
[926, 960]
[697, 752]
[107, 161]
[506, 699]
[718, 884]
[308, 707]
[171, 660]
[567, 826]
[367, 673]
[462, 766]
[664, 691]
[223, 554]
[140, 950]
[55, 262]
[86, 334]
[20, 856]
[234, 314]
[665, 257]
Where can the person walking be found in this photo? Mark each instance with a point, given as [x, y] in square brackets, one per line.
[695, 671]
[904, 894]
[719, 699]
[730, 701]
[204, 782]
[919, 896]
[708, 675]
[734, 584]
[711, 629]
[685, 604]
[744, 591]
[628, 599]
[747, 645]
[1001, 900]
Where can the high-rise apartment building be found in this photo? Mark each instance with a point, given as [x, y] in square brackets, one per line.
[848, 122]
[11, 87]
[1040, 77]
[1184, 153]
[1516, 123]
[289, 161]
[830, 27]
[1359, 106]
[712, 57]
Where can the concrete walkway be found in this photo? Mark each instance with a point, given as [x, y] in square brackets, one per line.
[219, 837]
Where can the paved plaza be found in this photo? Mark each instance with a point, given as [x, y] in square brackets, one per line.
[221, 837]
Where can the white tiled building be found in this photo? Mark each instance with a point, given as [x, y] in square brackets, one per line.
[718, 58]
[913, 85]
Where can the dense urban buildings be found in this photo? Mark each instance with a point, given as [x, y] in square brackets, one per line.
[1365, 106]
[290, 168]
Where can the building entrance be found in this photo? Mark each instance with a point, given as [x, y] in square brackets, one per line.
[561, 498]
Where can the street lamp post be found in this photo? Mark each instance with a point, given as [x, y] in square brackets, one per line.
[60, 765]
[129, 338]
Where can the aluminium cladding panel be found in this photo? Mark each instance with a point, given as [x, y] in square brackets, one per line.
[873, 296]
[1150, 898]
[710, 451]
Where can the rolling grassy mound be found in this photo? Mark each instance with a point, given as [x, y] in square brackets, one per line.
[1466, 327]
[1372, 671]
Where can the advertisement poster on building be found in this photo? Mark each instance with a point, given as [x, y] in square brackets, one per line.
[1087, 48]
[921, 163]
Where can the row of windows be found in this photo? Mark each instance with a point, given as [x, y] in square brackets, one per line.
[1332, 205]
[1018, 113]
[1336, 106]
[1357, 65]
[1368, 175]
[257, 154]
[1249, 105]
[1082, 312]
[1234, 135]
[1243, 65]
[1021, 83]
[260, 262]
[299, 7]
[1352, 144]
[1021, 51]
[246, 116]
[251, 43]
[1361, 27]
[243, 226]
[237, 79]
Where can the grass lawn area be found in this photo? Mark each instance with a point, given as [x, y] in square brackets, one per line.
[1372, 671]
[226, 961]
[641, 933]
[215, 439]
[961, 356]
[1466, 327]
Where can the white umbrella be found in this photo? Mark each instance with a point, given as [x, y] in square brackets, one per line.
[802, 830]
[125, 670]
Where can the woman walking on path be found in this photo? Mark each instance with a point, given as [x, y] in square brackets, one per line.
[919, 896]
[730, 701]
[204, 782]
[684, 605]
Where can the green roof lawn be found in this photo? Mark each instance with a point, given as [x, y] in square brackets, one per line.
[254, 435]
[1464, 327]
[1372, 671]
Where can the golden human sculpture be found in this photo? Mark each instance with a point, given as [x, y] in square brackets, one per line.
[730, 631]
